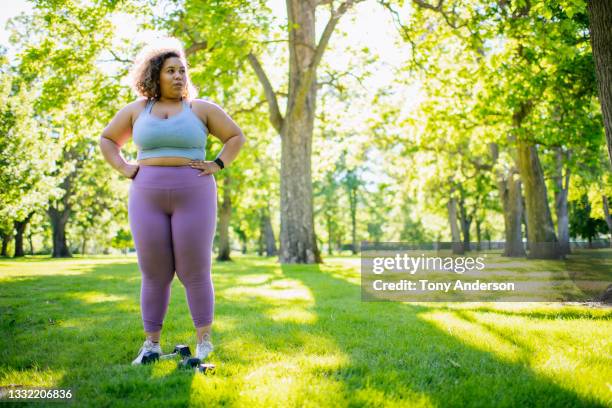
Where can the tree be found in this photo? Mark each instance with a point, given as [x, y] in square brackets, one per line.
[297, 237]
[600, 19]
[66, 78]
[26, 159]
[582, 224]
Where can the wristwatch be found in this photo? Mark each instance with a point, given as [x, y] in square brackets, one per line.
[219, 162]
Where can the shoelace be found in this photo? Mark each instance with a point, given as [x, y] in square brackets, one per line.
[148, 346]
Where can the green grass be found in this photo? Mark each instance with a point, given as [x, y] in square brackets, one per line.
[296, 335]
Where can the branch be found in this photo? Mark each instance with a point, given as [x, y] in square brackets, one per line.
[275, 116]
[424, 4]
[195, 47]
[310, 72]
[404, 31]
[247, 110]
[119, 59]
[334, 78]
[438, 8]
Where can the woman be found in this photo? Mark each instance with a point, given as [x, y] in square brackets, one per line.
[172, 202]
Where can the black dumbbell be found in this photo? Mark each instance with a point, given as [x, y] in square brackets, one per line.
[206, 368]
[149, 357]
[179, 350]
[189, 362]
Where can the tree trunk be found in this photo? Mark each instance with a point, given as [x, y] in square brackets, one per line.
[262, 233]
[6, 239]
[606, 210]
[298, 243]
[561, 190]
[524, 218]
[20, 227]
[30, 241]
[224, 220]
[329, 234]
[465, 221]
[452, 219]
[542, 241]
[59, 213]
[297, 240]
[479, 233]
[514, 216]
[59, 219]
[600, 25]
[269, 237]
[84, 242]
[353, 211]
[509, 186]
[541, 238]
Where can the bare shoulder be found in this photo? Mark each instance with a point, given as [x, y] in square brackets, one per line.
[205, 104]
[218, 122]
[139, 103]
[136, 107]
[120, 127]
[204, 109]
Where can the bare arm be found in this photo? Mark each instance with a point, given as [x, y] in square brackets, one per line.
[113, 137]
[225, 129]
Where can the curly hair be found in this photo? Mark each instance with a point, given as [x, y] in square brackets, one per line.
[144, 74]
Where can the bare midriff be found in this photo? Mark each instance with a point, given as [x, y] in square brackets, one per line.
[165, 161]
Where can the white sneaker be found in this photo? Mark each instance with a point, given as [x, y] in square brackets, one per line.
[203, 349]
[148, 346]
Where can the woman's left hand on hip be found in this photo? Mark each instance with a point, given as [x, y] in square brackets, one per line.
[207, 166]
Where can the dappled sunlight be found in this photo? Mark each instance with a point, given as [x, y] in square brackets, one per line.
[540, 310]
[255, 279]
[282, 289]
[347, 269]
[70, 323]
[8, 270]
[164, 368]
[292, 314]
[473, 334]
[285, 382]
[96, 297]
[36, 375]
[300, 336]
[244, 346]
[552, 348]
[60, 266]
[203, 387]
[226, 323]
[315, 343]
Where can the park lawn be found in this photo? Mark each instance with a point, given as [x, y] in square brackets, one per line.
[296, 335]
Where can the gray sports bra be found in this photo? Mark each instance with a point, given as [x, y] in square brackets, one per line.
[183, 134]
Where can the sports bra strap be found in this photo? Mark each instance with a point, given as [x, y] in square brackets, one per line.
[149, 106]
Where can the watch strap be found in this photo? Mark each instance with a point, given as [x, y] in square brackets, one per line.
[219, 162]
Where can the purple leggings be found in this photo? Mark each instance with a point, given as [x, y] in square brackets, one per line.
[173, 215]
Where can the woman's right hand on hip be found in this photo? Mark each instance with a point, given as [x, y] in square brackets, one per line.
[130, 170]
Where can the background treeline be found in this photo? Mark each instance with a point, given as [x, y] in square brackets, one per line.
[490, 128]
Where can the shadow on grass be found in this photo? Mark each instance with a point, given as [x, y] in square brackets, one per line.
[86, 329]
[433, 362]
